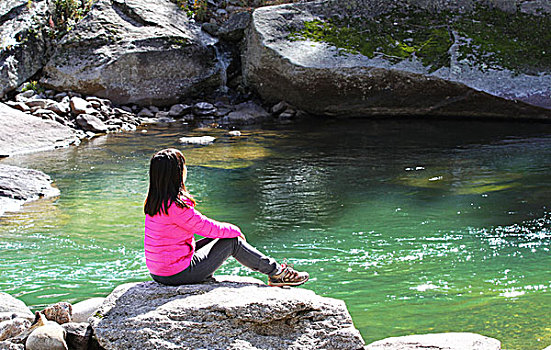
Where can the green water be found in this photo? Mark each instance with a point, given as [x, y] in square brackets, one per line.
[420, 226]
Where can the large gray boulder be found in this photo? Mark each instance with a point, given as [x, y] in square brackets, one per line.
[23, 133]
[323, 77]
[20, 185]
[134, 51]
[223, 315]
[22, 43]
[437, 341]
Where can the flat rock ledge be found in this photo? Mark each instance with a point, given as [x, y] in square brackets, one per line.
[20, 185]
[437, 341]
[233, 313]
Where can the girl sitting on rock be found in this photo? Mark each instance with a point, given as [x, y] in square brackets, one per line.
[173, 257]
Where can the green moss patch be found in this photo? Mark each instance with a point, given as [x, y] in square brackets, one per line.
[488, 38]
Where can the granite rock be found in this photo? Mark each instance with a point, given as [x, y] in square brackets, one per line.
[233, 314]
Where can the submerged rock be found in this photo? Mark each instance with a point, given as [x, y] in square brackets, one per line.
[288, 58]
[197, 140]
[230, 314]
[138, 52]
[437, 341]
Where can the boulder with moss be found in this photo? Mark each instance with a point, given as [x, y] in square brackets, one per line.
[372, 57]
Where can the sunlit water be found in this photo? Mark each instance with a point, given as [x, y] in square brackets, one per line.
[420, 226]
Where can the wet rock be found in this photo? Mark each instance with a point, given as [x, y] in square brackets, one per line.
[321, 80]
[50, 336]
[234, 133]
[85, 309]
[91, 123]
[14, 327]
[59, 312]
[197, 140]
[134, 52]
[232, 313]
[22, 45]
[234, 28]
[437, 341]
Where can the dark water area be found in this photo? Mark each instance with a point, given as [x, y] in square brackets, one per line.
[420, 226]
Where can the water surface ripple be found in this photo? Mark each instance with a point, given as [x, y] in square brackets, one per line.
[420, 226]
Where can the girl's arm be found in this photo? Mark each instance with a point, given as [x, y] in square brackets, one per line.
[193, 221]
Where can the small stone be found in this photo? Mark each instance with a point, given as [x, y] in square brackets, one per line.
[18, 105]
[145, 113]
[280, 107]
[59, 108]
[7, 345]
[179, 110]
[113, 121]
[79, 336]
[12, 328]
[154, 109]
[127, 109]
[197, 140]
[221, 112]
[27, 94]
[91, 123]
[51, 336]
[234, 133]
[288, 114]
[203, 106]
[79, 105]
[86, 308]
[45, 114]
[37, 103]
[221, 13]
[60, 96]
[59, 312]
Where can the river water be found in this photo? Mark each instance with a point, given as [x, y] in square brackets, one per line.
[420, 226]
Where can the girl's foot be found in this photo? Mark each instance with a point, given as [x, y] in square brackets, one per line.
[288, 277]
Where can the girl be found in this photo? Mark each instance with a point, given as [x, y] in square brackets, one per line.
[171, 220]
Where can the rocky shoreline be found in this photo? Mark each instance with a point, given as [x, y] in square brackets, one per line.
[231, 313]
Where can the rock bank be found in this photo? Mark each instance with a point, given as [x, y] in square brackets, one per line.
[23, 133]
[231, 314]
[305, 54]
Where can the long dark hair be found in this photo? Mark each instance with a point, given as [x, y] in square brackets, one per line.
[166, 182]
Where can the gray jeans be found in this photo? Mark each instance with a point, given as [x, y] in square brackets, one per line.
[209, 255]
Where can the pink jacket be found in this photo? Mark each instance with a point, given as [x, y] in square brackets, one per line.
[169, 242]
